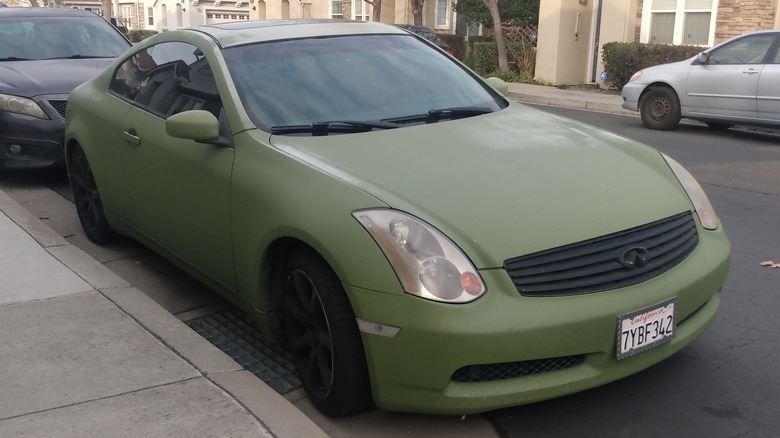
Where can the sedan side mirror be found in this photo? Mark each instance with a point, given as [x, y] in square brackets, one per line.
[195, 125]
[703, 58]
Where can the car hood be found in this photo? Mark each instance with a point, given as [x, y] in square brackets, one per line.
[504, 184]
[671, 72]
[51, 76]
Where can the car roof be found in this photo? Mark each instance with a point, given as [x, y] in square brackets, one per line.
[45, 12]
[243, 32]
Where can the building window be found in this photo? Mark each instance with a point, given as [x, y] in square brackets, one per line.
[678, 22]
[150, 12]
[361, 10]
[335, 9]
[443, 8]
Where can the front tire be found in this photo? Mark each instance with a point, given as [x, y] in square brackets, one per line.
[660, 109]
[88, 204]
[323, 336]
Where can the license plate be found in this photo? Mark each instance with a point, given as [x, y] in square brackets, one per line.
[646, 328]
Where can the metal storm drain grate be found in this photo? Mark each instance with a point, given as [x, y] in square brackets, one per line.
[232, 332]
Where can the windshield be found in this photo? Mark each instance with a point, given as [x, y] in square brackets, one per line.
[34, 38]
[351, 78]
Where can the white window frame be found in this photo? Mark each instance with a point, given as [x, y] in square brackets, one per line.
[679, 21]
[367, 13]
[447, 15]
[337, 6]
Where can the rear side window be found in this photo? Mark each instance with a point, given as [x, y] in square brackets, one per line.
[166, 79]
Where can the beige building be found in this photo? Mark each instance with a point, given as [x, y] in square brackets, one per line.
[163, 15]
[572, 32]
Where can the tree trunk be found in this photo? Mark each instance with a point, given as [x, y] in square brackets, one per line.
[377, 15]
[105, 9]
[417, 11]
[492, 6]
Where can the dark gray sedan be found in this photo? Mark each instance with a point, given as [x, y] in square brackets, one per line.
[45, 53]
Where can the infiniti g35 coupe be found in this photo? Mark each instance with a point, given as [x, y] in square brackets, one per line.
[419, 242]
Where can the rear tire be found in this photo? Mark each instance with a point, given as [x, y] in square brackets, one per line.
[660, 109]
[323, 336]
[88, 204]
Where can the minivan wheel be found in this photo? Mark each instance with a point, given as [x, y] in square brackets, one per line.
[660, 109]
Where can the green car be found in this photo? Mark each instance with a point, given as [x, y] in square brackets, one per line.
[417, 241]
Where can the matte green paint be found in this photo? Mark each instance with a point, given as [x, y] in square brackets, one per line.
[499, 185]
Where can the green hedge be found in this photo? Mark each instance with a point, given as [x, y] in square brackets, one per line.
[137, 35]
[621, 60]
[485, 55]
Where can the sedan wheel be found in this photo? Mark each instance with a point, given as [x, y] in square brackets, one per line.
[660, 109]
[88, 204]
[323, 337]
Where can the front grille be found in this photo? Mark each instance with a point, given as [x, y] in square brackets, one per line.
[509, 370]
[59, 106]
[608, 262]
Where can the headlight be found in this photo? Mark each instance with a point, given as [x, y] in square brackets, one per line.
[701, 203]
[636, 75]
[21, 105]
[427, 263]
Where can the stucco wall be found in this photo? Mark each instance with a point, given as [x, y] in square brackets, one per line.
[562, 50]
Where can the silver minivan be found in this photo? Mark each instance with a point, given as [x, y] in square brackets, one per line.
[736, 82]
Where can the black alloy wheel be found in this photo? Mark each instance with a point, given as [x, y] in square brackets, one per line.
[323, 336]
[88, 204]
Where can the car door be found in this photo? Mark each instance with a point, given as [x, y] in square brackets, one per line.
[768, 95]
[726, 85]
[180, 188]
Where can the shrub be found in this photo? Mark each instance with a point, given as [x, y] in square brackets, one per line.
[137, 35]
[485, 56]
[621, 60]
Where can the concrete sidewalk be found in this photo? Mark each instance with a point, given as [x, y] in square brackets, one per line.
[569, 98]
[84, 354]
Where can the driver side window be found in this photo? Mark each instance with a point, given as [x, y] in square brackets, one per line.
[750, 50]
[166, 79]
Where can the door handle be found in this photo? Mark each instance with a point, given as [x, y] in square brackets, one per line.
[750, 71]
[131, 138]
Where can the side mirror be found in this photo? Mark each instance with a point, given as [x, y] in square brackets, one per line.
[498, 84]
[703, 58]
[195, 125]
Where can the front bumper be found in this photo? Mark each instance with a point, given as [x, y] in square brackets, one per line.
[30, 143]
[413, 370]
[631, 94]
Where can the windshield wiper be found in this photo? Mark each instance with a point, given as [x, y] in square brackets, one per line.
[434, 115]
[333, 127]
[15, 58]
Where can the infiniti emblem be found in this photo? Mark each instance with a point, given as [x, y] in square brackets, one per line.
[634, 257]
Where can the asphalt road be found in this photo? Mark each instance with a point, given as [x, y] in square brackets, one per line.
[723, 385]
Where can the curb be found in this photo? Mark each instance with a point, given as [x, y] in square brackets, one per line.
[272, 410]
